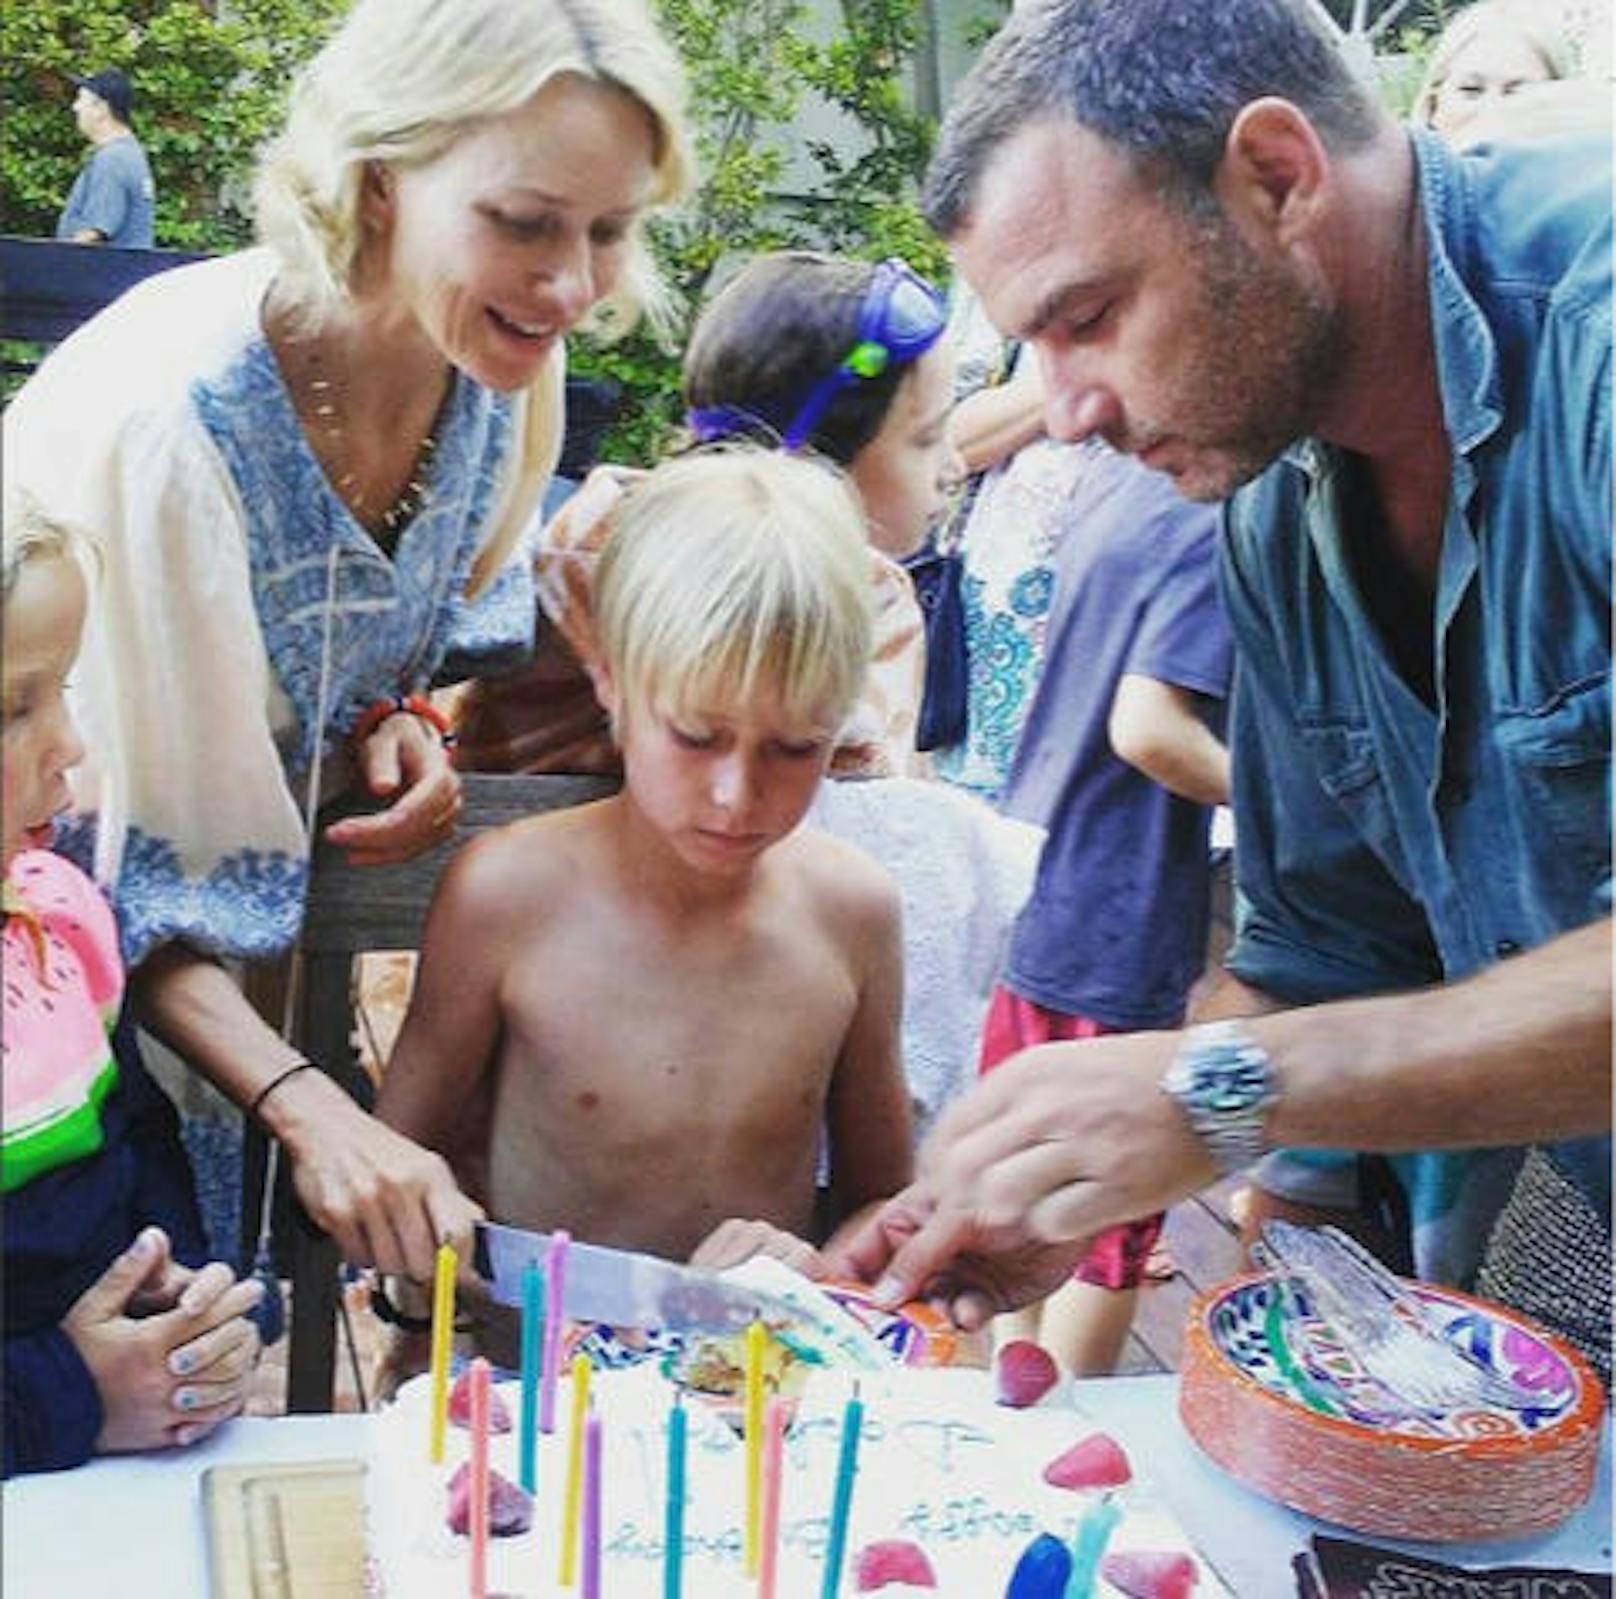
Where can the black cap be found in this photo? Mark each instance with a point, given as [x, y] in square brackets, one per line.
[112, 86]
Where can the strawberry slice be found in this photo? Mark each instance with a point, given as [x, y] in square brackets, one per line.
[499, 1415]
[510, 1509]
[1023, 1373]
[1150, 1573]
[1097, 1461]
[891, 1560]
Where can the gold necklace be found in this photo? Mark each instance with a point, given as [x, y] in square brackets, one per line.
[386, 524]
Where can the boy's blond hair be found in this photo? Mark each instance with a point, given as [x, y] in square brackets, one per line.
[732, 573]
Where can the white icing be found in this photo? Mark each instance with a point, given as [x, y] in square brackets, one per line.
[939, 1464]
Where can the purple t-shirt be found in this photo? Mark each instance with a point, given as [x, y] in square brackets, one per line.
[1116, 925]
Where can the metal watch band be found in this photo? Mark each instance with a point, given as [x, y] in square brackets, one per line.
[1224, 1083]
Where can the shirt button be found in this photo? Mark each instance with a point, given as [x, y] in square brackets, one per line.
[1505, 947]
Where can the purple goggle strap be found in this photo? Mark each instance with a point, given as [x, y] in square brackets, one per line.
[881, 340]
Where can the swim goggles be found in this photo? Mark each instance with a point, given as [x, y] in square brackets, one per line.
[900, 318]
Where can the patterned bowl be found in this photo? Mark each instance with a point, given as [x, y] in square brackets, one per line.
[1271, 1395]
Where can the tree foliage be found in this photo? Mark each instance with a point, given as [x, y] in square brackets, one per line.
[209, 88]
[755, 65]
[211, 80]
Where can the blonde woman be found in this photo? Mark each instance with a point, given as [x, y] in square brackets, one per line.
[313, 463]
[1488, 53]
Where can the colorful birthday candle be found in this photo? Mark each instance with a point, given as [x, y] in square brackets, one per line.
[478, 1510]
[555, 1274]
[774, 1437]
[1088, 1547]
[673, 1524]
[532, 1357]
[842, 1502]
[443, 1293]
[755, 1337]
[573, 1502]
[592, 1448]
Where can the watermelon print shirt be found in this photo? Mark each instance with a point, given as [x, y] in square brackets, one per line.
[63, 982]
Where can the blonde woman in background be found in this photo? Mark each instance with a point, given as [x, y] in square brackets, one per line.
[313, 463]
[1489, 52]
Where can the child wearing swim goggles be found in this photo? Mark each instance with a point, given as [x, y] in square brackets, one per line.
[844, 358]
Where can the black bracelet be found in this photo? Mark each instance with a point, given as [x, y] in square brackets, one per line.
[275, 1082]
[387, 1311]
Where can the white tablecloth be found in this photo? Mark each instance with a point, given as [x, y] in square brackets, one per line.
[131, 1526]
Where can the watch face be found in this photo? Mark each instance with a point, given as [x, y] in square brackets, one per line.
[1224, 1084]
[1233, 1084]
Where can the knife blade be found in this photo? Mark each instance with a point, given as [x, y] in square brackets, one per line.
[620, 1287]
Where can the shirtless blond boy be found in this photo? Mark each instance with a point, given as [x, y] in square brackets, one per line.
[633, 1018]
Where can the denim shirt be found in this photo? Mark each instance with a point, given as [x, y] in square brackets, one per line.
[1389, 843]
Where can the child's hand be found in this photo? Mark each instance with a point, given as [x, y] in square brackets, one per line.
[171, 1376]
[165, 1280]
[735, 1240]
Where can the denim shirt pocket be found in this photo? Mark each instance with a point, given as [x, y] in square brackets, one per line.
[1342, 751]
[1560, 756]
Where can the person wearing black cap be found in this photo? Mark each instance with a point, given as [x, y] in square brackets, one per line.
[113, 196]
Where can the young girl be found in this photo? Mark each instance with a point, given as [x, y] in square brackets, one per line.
[843, 359]
[110, 1342]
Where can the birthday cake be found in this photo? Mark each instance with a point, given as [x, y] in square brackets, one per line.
[950, 1492]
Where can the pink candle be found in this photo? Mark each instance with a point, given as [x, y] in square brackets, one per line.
[774, 1435]
[592, 1509]
[555, 1274]
[479, 1478]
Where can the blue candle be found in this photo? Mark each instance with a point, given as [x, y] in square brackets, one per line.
[673, 1526]
[532, 1356]
[842, 1504]
[1088, 1547]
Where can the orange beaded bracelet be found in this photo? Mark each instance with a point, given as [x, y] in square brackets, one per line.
[407, 705]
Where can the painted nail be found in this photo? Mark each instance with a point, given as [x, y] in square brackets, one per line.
[187, 1398]
[180, 1362]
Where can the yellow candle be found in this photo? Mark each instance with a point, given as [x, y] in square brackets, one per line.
[754, 1445]
[573, 1503]
[443, 1294]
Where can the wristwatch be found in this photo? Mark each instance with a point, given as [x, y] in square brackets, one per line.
[1224, 1083]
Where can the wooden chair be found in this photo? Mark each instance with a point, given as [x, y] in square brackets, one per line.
[353, 910]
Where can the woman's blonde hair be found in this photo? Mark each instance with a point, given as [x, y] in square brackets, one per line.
[736, 572]
[402, 79]
[1537, 33]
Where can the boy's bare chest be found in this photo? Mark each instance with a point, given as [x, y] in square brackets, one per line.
[657, 1026]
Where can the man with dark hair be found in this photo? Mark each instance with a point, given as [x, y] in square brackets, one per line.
[113, 196]
[1397, 361]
